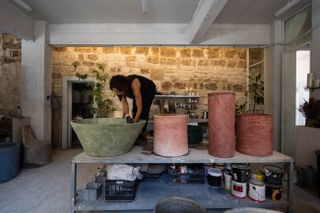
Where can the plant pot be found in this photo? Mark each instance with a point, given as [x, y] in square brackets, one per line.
[254, 134]
[170, 135]
[221, 106]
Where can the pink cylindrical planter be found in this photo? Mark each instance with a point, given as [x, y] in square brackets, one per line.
[221, 123]
[170, 135]
[254, 134]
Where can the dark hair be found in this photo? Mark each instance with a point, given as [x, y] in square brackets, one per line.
[119, 82]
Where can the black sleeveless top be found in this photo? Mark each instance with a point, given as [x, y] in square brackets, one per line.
[147, 87]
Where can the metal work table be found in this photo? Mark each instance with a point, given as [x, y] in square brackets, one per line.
[149, 193]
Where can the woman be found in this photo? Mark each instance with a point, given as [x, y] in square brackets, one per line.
[140, 89]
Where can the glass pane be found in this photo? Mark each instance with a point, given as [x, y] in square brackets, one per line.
[302, 69]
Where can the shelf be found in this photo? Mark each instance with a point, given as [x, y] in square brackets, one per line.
[175, 96]
[197, 154]
[312, 88]
[149, 193]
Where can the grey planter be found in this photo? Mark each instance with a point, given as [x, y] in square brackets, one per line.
[104, 137]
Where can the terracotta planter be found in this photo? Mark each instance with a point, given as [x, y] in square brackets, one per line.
[221, 122]
[254, 134]
[170, 135]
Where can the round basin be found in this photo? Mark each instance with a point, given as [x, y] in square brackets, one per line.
[104, 137]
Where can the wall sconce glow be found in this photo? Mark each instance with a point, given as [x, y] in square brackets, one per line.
[144, 6]
[23, 5]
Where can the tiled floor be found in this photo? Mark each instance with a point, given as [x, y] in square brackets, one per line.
[47, 189]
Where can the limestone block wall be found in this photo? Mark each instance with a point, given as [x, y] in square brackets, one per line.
[10, 68]
[200, 70]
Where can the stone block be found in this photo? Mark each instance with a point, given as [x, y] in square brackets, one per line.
[211, 86]
[168, 52]
[166, 86]
[213, 53]
[125, 50]
[231, 63]
[186, 62]
[142, 50]
[197, 53]
[131, 59]
[155, 50]
[230, 53]
[108, 50]
[185, 53]
[153, 60]
[88, 63]
[93, 57]
[203, 63]
[144, 71]
[179, 85]
[157, 74]
[82, 49]
[238, 87]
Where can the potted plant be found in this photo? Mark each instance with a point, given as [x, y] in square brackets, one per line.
[254, 132]
[101, 106]
[311, 111]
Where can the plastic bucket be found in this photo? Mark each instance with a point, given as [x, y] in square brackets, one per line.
[9, 161]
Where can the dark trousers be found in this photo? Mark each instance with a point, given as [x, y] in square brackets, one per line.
[147, 99]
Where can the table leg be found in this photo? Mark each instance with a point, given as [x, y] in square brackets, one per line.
[73, 186]
[290, 184]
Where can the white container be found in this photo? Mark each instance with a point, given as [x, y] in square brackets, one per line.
[238, 189]
[257, 190]
[227, 180]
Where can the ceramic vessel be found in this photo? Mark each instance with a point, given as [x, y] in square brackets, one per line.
[254, 134]
[221, 122]
[107, 136]
[170, 135]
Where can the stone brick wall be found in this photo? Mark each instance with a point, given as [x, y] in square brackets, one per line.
[10, 68]
[179, 69]
[200, 70]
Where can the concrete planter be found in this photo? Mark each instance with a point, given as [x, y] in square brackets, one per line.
[107, 136]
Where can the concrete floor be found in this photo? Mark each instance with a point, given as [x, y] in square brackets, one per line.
[47, 189]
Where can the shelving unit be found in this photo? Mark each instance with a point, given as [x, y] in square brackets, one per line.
[149, 193]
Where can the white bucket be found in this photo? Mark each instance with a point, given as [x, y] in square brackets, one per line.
[257, 190]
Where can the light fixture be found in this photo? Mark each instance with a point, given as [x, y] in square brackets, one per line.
[144, 6]
[23, 5]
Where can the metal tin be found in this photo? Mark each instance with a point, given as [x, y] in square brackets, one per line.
[257, 190]
[273, 175]
[240, 172]
[227, 176]
[257, 175]
[214, 177]
[238, 189]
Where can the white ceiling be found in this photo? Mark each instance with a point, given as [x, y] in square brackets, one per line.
[159, 11]
[249, 11]
[113, 11]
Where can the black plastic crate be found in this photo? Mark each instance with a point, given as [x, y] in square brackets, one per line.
[121, 190]
[193, 174]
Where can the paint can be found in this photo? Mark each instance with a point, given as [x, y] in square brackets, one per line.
[238, 189]
[274, 192]
[273, 175]
[257, 190]
[207, 166]
[257, 175]
[214, 177]
[240, 173]
[227, 176]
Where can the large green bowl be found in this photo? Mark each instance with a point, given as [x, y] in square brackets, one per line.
[107, 136]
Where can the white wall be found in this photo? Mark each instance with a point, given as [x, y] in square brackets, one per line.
[272, 78]
[315, 44]
[35, 82]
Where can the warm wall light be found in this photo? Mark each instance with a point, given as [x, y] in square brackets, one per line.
[144, 6]
[23, 5]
